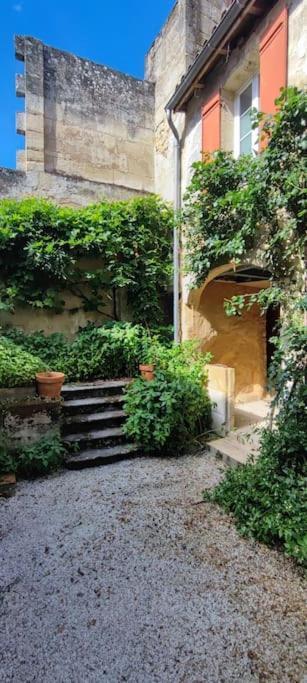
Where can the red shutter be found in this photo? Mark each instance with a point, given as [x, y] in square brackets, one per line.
[273, 61]
[211, 124]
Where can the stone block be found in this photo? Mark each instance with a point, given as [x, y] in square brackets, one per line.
[20, 123]
[20, 85]
[21, 160]
[20, 48]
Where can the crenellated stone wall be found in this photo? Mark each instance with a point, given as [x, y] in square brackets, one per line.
[89, 130]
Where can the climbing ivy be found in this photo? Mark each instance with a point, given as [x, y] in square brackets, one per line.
[233, 206]
[254, 209]
[43, 247]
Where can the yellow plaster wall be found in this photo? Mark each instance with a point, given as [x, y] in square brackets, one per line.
[73, 316]
[238, 342]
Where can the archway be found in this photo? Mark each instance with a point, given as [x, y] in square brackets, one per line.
[240, 342]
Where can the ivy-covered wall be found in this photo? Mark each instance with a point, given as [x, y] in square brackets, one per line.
[61, 267]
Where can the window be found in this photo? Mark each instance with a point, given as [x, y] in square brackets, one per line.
[246, 138]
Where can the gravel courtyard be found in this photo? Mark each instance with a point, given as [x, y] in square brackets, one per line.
[114, 574]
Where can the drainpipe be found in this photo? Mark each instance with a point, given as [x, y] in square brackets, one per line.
[176, 234]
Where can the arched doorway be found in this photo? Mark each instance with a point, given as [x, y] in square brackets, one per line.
[241, 341]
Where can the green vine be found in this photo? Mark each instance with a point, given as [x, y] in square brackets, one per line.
[233, 206]
[43, 248]
[247, 210]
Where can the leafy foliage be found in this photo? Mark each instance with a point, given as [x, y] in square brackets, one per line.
[42, 247]
[17, 366]
[53, 349]
[41, 457]
[268, 498]
[261, 204]
[168, 412]
[235, 205]
[104, 352]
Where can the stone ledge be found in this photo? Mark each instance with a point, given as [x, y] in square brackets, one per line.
[17, 393]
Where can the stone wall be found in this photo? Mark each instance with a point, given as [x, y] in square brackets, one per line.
[87, 125]
[188, 26]
[297, 55]
[62, 189]
[25, 421]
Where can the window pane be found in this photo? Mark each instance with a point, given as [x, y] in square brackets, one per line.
[246, 145]
[246, 99]
[245, 123]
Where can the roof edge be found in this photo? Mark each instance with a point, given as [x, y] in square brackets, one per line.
[183, 92]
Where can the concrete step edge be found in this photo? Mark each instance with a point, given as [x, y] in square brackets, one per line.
[96, 435]
[101, 456]
[86, 418]
[113, 399]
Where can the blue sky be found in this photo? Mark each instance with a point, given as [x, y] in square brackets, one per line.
[113, 33]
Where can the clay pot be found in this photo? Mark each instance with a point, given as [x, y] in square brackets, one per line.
[49, 384]
[147, 371]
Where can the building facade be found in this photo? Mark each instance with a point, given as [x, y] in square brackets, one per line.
[256, 49]
[93, 133]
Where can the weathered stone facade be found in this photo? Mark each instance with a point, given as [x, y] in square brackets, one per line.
[88, 129]
[92, 132]
[188, 26]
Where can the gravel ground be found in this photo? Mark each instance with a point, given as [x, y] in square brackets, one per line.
[113, 574]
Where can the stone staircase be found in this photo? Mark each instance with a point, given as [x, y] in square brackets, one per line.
[92, 428]
[244, 440]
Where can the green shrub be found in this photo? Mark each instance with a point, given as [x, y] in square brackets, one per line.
[268, 498]
[168, 412]
[97, 352]
[42, 246]
[17, 366]
[45, 455]
[110, 351]
[52, 348]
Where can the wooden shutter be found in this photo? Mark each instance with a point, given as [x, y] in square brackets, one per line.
[273, 61]
[211, 124]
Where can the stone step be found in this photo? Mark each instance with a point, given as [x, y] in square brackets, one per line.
[89, 404]
[101, 456]
[96, 438]
[231, 450]
[89, 421]
[94, 389]
[251, 413]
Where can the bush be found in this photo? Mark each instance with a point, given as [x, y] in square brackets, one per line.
[17, 366]
[168, 412]
[268, 497]
[97, 352]
[41, 457]
[52, 349]
[111, 351]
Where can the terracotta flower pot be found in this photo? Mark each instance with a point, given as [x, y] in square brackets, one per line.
[147, 371]
[49, 384]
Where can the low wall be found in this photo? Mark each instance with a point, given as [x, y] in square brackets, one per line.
[24, 421]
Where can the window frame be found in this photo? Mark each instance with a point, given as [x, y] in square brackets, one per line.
[254, 82]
